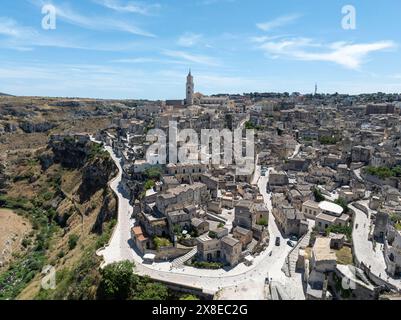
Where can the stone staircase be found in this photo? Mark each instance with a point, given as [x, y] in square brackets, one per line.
[179, 262]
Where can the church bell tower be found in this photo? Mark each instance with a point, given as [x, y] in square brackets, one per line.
[189, 101]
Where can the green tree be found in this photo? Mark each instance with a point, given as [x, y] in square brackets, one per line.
[149, 184]
[343, 203]
[117, 280]
[153, 173]
[319, 197]
[150, 291]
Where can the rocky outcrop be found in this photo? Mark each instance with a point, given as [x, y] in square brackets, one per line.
[3, 176]
[71, 151]
[68, 103]
[31, 127]
[10, 127]
[107, 212]
[95, 176]
[46, 160]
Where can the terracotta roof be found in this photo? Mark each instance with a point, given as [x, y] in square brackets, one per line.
[137, 231]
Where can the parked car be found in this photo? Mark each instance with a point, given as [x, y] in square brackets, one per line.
[277, 241]
[294, 238]
[291, 244]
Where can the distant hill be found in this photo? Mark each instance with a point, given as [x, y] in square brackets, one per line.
[4, 94]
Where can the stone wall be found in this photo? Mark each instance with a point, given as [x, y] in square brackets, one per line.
[168, 253]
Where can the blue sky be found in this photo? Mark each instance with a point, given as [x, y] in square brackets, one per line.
[143, 49]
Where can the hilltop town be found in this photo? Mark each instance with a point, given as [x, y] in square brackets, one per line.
[317, 218]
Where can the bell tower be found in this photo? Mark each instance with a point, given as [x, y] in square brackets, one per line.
[189, 101]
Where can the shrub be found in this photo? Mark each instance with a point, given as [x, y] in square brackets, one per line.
[212, 234]
[262, 222]
[343, 203]
[161, 242]
[207, 265]
[146, 290]
[72, 241]
[153, 173]
[149, 184]
[319, 197]
[383, 172]
[347, 230]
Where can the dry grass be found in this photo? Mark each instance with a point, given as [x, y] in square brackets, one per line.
[13, 229]
[344, 256]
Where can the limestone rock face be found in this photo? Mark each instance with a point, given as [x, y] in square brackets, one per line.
[3, 176]
[70, 151]
[46, 160]
[95, 176]
[107, 212]
[31, 127]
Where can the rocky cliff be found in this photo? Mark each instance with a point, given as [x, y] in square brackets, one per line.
[32, 127]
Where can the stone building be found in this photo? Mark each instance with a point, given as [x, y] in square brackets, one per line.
[311, 209]
[392, 251]
[179, 197]
[381, 223]
[380, 108]
[201, 226]
[330, 214]
[243, 214]
[139, 238]
[323, 262]
[362, 154]
[226, 249]
[245, 236]
[290, 220]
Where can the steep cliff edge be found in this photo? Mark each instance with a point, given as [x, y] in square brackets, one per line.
[63, 189]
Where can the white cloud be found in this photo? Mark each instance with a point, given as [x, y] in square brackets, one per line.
[210, 2]
[68, 15]
[349, 55]
[278, 22]
[130, 7]
[135, 60]
[189, 39]
[194, 58]
[11, 28]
